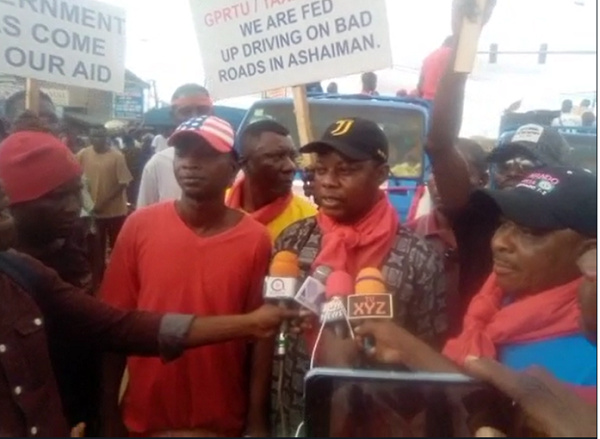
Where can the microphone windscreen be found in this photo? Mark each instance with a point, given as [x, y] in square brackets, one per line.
[339, 283]
[370, 281]
[284, 264]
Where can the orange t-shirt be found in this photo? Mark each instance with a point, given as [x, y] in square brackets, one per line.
[433, 69]
[159, 264]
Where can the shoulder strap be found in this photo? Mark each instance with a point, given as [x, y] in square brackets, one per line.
[306, 256]
[19, 271]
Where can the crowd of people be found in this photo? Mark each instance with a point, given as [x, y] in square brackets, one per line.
[153, 322]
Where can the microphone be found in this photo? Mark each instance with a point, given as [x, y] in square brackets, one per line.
[371, 300]
[280, 285]
[337, 287]
[311, 294]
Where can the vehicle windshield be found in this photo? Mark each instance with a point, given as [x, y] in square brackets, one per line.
[403, 127]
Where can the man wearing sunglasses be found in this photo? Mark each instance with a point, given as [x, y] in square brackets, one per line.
[532, 147]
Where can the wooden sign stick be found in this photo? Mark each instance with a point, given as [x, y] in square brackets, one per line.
[32, 95]
[301, 109]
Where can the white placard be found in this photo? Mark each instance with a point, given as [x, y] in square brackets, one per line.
[250, 46]
[72, 42]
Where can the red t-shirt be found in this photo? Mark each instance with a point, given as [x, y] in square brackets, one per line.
[160, 264]
[433, 69]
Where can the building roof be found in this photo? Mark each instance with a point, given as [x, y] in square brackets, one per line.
[133, 78]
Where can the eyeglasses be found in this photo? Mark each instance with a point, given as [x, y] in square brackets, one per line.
[518, 165]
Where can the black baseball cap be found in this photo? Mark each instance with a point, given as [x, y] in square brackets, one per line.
[541, 144]
[355, 138]
[548, 199]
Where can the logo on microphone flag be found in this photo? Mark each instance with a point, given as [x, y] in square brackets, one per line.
[279, 288]
[370, 306]
[277, 285]
[333, 311]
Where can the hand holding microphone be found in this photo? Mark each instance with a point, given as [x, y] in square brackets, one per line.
[370, 301]
[280, 286]
[388, 343]
[266, 321]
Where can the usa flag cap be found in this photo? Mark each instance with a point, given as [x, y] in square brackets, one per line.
[217, 132]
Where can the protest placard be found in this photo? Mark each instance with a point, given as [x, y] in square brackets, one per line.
[250, 46]
[73, 42]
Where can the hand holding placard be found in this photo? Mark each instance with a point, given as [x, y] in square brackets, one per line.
[468, 18]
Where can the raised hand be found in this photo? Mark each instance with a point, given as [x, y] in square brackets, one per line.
[471, 10]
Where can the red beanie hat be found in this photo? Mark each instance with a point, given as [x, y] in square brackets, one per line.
[33, 164]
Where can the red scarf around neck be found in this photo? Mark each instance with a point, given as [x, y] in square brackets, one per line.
[365, 244]
[266, 214]
[487, 324]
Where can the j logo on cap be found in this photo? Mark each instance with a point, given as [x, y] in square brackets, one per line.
[342, 127]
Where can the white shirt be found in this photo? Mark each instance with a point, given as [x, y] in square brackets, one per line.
[159, 143]
[567, 120]
[158, 180]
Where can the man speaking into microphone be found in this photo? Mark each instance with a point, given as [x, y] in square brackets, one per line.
[357, 227]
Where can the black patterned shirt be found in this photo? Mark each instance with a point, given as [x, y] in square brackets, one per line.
[414, 274]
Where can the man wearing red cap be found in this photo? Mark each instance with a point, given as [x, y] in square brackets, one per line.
[43, 183]
[207, 259]
[158, 180]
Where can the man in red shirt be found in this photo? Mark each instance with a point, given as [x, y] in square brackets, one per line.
[48, 326]
[195, 255]
[434, 67]
[437, 62]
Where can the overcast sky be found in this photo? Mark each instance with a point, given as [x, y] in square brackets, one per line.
[162, 44]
